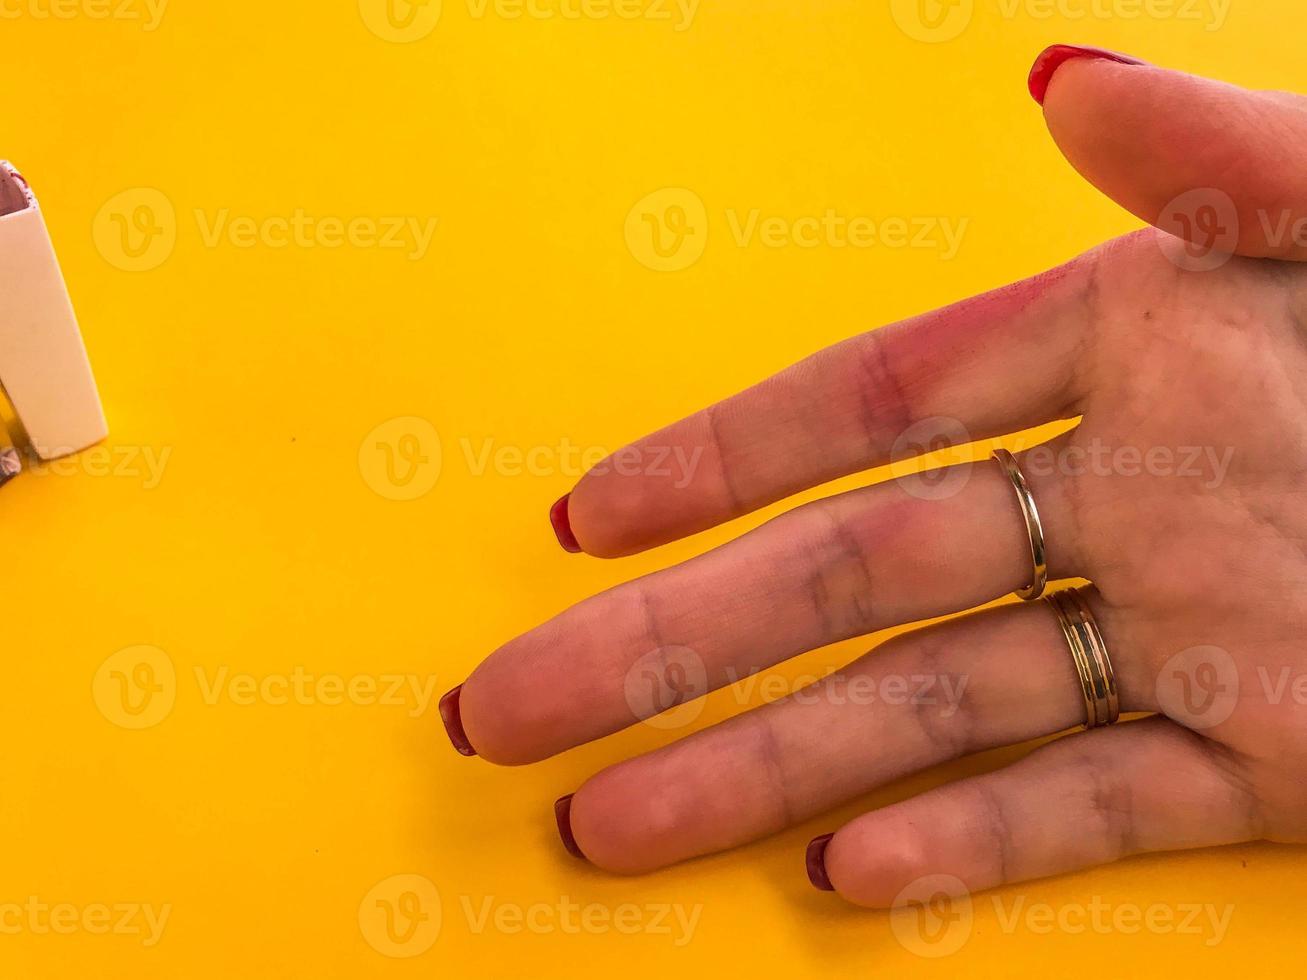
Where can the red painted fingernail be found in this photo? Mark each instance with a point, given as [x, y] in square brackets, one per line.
[563, 525]
[563, 814]
[452, 716]
[1041, 75]
[817, 863]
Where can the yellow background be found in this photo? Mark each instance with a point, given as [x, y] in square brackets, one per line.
[274, 540]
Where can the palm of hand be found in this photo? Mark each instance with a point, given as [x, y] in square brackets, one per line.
[1207, 550]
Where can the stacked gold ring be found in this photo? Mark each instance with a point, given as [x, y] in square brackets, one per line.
[1097, 681]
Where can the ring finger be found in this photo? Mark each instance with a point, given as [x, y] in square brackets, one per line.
[994, 678]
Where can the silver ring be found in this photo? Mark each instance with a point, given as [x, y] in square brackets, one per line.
[1034, 529]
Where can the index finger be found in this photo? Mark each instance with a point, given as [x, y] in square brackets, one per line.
[996, 363]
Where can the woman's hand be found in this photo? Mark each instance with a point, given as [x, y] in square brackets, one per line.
[1182, 495]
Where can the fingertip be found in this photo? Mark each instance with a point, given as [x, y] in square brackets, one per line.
[1054, 57]
[561, 520]
[451, 714]
[874, 858]
[500, 717]
[611, 513]
[563, 817]
[1205, 161]
[815, 860]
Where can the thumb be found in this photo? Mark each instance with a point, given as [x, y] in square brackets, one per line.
[1219, 166]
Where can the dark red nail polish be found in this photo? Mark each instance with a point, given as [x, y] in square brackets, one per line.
[452, 716]
[817, 863]
[1041, 75]
[563, 814]
[558, 517]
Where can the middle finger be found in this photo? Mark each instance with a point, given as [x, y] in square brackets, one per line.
[841, 567]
